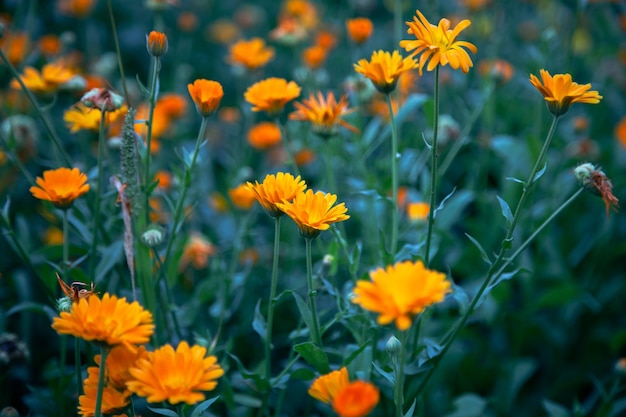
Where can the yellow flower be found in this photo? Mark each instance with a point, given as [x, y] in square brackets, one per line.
[113, 399]
[314, 212]
[206, 95]
[323, 113]
[418, 211]
[438, 43]
[80, 117]
[118, 364]
[359, 29]
[264, 135]
[560, 92]
[60, 186]
[357, 399]
[51, 77]
[271, 95]
[156, 43]
[251, 54]
[326, 387]
[109, 320]
[175, 375]
[384, 69]
[242, 196]
[275, 189]
[196, 252]
[401, 291]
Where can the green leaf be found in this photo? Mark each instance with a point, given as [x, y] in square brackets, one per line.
[517, 180]
[507, 244]
[555, 410]
[202, 407]
[247, 401]
[387, 375]
[411, 410]
[409, 251]
[468, 405]
[258, 324]
[476, 243]
[305, 312]
[110, 256]
[314, 356]
[461, 297]
[302, 374]
[540, 173]
[506, 212]
[259, 381]
[32, 307]
[142, 87]
[164, 411]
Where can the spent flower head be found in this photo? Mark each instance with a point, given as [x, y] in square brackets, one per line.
[596, 182]
[560, 92]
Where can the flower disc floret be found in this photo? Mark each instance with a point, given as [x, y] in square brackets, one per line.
[401, 291]
[275, 189]
[560, 92]
[60, 186]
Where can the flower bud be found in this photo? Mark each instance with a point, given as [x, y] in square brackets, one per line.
[64, 304]
[152, 237]
[102, 99]
[393, 346]
[583, 173]
[156, 42]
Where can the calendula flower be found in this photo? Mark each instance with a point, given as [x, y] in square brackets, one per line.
[250, 54]
[620, 132]
[206, 95]
[560, 92]
[110, 321]
[400, 291]
[357, 399]
[196, 252]
[271, 95]
[156, 43]
[314, 56]
[15, 45]
[76, 8]
[52, 76]
[324, 113]
[314, 212]
[242, 196]
[175, 376]
[326, 387]
[384, 69]
[438, 44]
[596, 181]
[80, 117]
[60, 186]
[417, 211]
[359, 29]
[118, 364]
[113, 399]
[264, 135]
[275, 189]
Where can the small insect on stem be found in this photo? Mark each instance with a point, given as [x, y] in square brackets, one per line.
[76, 290]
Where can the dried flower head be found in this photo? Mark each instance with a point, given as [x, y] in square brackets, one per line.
[102, 99]
[560, 92]
[596, 182]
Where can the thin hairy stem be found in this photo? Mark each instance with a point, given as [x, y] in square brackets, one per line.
[394, 177]
[433, 171]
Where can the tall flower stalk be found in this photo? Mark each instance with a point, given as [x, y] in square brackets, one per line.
[434, 157]
[96, 205]
[394, 176]
[104, 352]
[270, 304]
[316, 335]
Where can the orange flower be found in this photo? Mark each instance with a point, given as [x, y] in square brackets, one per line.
[76, 8]
[357, 399]
[251, 54]
[264, 135]
[359, 29]
[325, 39]
[304, 156]
[60, 186]
[223, 31]
[275, 189]
[156, 43]
[118, 363]
[314, 212]
[242, 196]
[438, 43]
[620, 132]
[164, 178]
[15, 46]
[326, 387]
[52, 76]
[113, 400]
[196, 252]
[290, 31]
[384, 69]
[314, 56]
[187, 21]
[498, 69]
[323, 113]
[418, 212]
[206, 95]
[49, 45]
[560, 92]
[271, 95]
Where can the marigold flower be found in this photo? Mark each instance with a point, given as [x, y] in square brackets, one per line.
[49, 45]
[304, 157]
[326, 387]
[264, 135]
[400, 291]
[109, 320]
[52, 76]
[418, 211]
[323, 113]
[60, 186]
[620, 132]
[206, 95]
[80, 117]
[314, 56]
[438, 43]
[76, 8]
[275, 189]
[357, 399]
[175, 375]
[242, 196]
[118, 364]
[326, 39]
[560, 92]
[314, 212]
[384, 69]
[113, 399]
[251, 54]
[15, 46]
[196, 252]
[156, 43]
[359, 29]
[271, 95]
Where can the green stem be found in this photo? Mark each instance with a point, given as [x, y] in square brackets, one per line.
[79, 385]
[168, 295]
[287, 145]
[398, 394]
[433, 171]
[104, 352]
[96, 206]
[47, 123]
[66, 251]
[147, 179]
[497, 267]
[315, 331]
[270, 305]
[118, 52]
[394, 176]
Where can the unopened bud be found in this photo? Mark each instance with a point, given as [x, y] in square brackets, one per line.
[393, 346]
[153, 236]
[64, 304]
[156, 43]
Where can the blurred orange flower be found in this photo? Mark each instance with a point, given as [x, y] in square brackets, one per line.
[187, 21]
[206, 95]
[359, 29]
[113, 399]
[76, 8]
[49, 45]
[438, 44]
[271, 95]
[384, 69]
[324, 113]
[314, 56]
[223, 31]
[156, 43]
[498, 69]
[60, 186]
[264, 135]
[357, 399]
[325, 387]
[326, 39]
[196, 252]
[15, 46]
[304, 157]
[560, 92]
[301, 10]
[251, 54]
[242, 196]
[620, 132]
[51, 77]
[164, 178]
[417, 211]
